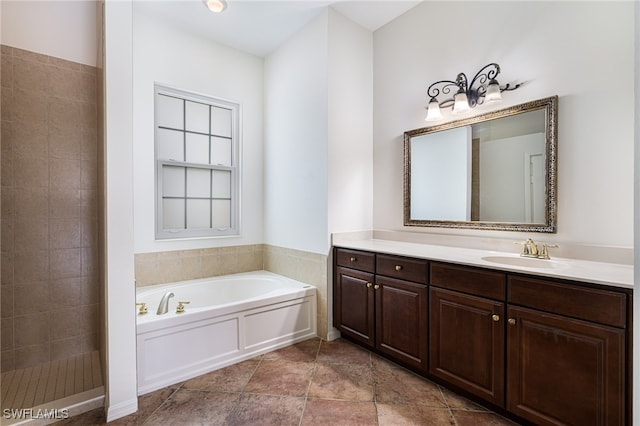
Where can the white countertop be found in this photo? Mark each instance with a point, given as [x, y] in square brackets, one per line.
[612, 274]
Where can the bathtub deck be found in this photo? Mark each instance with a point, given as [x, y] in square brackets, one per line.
[30, 387]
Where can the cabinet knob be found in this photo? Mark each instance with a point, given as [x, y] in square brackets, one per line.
[377, 286]
[512, 321]
[352, 259]
[495, 317]
[398, 267]
[369, 285]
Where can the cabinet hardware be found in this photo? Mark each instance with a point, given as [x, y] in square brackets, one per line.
[369, 285]
[398, 267]
[377, 286]
[495, 317]
[352, 259]
[512, 321]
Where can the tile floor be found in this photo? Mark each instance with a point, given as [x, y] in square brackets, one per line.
[310, 383]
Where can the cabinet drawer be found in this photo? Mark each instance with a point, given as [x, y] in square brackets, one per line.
[469, 280]
[356, 259]
[402, 267]
[602, 306]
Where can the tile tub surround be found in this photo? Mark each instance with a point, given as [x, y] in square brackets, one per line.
[310, 383]
[182, 265]
[49, 246]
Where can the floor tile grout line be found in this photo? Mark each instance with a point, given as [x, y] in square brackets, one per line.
[313, 373]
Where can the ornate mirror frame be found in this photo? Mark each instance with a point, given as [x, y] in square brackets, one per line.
[550, 106]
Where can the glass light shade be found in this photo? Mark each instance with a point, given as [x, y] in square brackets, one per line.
[493, 92]
[460, 103]
[433, 110]
[216, 6]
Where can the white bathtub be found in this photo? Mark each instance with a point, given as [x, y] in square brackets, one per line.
[229, 319]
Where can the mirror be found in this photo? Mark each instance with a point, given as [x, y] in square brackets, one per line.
[495, 171]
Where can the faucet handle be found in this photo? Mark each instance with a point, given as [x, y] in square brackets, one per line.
[180, 307]
[544, 254]
[143, 308]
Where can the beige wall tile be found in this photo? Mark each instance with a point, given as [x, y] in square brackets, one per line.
[66, 292]
[64, 233]
[7, 360]
[6, 301]
[32, 329]
[29, 107]
[49, 206]
[31, 298]
[32, 355]
[65, 323]
[65, 348]
[30, 172]
[31, 267]
[66, 263]
[30, 76]
[6, 336]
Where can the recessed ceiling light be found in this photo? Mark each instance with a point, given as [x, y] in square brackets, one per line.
[216, 6]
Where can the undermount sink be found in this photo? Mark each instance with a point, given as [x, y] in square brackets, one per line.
[527, 262]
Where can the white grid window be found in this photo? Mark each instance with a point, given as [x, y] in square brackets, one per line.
[197, 177]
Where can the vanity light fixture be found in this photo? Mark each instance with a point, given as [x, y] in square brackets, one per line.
[216, 6]
[483, 88]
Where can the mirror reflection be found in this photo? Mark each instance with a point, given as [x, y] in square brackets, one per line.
[494, 171]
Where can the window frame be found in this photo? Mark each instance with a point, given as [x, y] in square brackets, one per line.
[162, 233]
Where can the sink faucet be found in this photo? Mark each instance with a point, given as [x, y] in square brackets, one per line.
[163, 307]
[530, 249]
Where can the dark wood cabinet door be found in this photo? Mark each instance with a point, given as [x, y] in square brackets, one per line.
[563, 371]
[401, 321]
[354, 305]
[466, 342]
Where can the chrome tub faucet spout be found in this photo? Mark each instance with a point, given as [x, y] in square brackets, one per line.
[163, 307]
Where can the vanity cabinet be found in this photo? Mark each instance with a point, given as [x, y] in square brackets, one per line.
[548, 351]
[382, 304]
[566, 353]
[466, 325]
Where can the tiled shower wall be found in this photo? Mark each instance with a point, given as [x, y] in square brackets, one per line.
[49, 217]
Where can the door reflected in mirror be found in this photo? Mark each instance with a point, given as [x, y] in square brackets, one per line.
[495, 171]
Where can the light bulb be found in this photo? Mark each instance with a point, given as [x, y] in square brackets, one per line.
[493, 92]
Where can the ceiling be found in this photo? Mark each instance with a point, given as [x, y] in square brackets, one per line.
[260, 26]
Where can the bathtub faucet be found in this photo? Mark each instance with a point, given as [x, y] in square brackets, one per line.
[163, 307]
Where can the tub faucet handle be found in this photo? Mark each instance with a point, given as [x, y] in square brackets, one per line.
[143, 308]
[180, 307]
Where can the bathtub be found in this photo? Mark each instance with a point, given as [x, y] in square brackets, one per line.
[228, 319]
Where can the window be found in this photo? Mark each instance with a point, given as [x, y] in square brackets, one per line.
[197, 177]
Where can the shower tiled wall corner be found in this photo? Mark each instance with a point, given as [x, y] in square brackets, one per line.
[49, 217]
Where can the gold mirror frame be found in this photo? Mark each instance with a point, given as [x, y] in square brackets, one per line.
[550, 105]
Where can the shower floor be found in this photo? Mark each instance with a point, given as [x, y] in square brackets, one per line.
[34, 386]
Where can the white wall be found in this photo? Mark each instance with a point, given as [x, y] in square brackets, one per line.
[168, 56]
[581, 51]
[296, 134]
[64, 29]
[318, 134]
[350, 103]
[121, 389]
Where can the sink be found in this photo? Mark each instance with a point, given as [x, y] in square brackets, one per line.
[527, 262]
